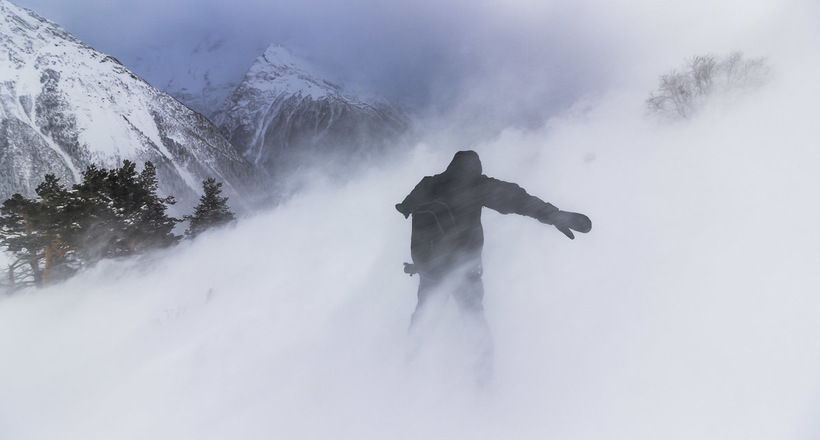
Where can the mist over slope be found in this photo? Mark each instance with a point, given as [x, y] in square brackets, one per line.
[688, 311]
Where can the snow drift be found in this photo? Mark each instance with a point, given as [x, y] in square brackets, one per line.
[688, 312]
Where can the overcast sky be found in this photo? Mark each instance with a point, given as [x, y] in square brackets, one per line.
[533, 56]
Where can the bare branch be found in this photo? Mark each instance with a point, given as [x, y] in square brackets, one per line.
[681, 93]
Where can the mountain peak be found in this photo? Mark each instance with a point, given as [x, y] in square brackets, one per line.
[278, 72]
[64, 106]
[285, 116]
[278, 54]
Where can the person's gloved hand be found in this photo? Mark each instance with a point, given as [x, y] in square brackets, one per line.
[566, 222]
[403, 210]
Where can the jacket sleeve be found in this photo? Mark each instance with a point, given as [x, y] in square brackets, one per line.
[419, 195]
[506, 198]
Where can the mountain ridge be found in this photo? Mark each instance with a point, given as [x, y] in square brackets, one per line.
[285, 117]
[64, 106]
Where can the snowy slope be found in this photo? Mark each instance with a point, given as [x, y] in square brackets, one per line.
[64, 106]
[284, 116]
[689, 312]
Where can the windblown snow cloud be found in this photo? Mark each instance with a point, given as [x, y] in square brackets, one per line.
[514, 63]
[687, 312]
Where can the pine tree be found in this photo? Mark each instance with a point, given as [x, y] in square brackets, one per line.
[212, 210]
[18, 236]
[152, 227]
[130, 216]
[110, 213]
[99, 220]
[41, 233]
[56, 221]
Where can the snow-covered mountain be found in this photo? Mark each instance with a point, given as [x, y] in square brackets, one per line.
[284, 117]
[64, 106]
[199, 72]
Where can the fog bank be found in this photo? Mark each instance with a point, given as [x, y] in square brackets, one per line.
[687, 312]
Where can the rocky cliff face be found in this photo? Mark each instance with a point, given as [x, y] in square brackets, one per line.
[64, 106]
[285, 118]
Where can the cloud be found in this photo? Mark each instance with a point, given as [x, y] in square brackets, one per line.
[514, 61]
[686, 312]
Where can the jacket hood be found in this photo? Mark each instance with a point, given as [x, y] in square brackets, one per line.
[465, 166]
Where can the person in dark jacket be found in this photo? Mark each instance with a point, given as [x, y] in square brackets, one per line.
[456, 266]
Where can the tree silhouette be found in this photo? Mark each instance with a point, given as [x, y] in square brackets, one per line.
[110, 213]
[682, 92]
[212, 210]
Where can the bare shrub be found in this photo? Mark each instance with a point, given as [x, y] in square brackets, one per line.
[682, 92]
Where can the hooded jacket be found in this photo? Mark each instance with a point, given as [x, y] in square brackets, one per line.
[464, 188]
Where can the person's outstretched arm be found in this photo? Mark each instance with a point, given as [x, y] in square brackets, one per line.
[506, 198]
[419, 195]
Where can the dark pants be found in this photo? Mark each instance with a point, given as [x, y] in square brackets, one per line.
[465, 286]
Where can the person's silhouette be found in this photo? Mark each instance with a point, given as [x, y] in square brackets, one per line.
[448, 238]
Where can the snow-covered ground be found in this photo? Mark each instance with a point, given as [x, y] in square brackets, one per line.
[689, 311]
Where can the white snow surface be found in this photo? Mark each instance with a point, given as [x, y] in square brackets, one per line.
[688, 312]
[98, 116]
